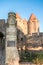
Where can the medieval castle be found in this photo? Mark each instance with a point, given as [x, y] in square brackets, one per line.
[27, 36]
[28, 33]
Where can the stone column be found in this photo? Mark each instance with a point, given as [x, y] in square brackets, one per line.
[12, 57]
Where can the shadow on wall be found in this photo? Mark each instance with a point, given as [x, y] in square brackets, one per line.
[21, 39]
[2, 49]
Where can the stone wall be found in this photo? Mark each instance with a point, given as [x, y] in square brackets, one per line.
[34, 42]
[2, 26]
[22, 24]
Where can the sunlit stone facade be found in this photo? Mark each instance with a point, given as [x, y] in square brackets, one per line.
[18, 34]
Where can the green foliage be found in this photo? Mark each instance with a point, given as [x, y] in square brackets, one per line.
[39, 58]
[28, 56]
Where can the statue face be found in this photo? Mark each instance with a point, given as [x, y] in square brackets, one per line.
[12, 20]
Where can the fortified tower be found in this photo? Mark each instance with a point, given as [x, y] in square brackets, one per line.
[12, 57]
[33, 24]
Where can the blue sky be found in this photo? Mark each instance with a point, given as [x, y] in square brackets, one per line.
[24, 7]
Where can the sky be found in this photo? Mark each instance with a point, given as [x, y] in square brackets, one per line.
[24, 7]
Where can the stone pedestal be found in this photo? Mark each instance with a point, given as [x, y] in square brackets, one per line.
[12, 57]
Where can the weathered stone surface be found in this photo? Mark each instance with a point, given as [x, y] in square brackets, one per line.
[12, 57]
[33, 24]
[21, 34]
[22, 24]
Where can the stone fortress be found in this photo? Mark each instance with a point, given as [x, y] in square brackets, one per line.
[25, 34]
[29, 35]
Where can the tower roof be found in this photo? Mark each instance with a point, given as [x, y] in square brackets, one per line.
[18, 16]
[32, 17]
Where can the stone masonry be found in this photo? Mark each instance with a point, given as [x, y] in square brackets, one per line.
[17, 34]
[12, 57]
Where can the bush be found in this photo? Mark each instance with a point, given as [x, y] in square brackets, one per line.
[27, 56]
